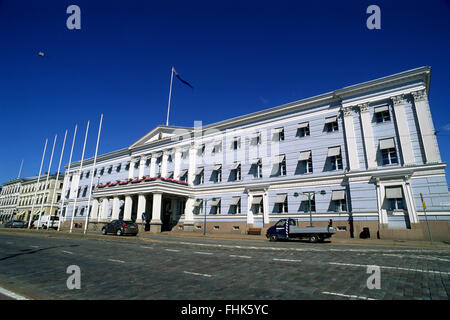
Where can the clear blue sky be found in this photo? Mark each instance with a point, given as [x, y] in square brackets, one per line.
[241, 57]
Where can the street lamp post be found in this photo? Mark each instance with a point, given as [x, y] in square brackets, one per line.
[322, 192]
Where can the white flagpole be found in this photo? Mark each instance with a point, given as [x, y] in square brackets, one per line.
[20, 170]
[57, 175]
[170, 94]
[80, 170]
[63, 192]
[37, 184]
[46, 181]
[92, 175]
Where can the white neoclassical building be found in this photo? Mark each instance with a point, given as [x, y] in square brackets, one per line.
[363, 156]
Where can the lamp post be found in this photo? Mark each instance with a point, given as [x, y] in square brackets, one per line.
[322, 192]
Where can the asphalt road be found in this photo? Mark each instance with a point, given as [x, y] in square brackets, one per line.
[165, 267]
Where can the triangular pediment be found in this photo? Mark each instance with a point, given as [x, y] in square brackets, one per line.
[161, 133]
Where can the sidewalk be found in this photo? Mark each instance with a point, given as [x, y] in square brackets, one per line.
[147, 235]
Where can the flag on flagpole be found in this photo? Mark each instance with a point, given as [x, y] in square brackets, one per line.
[179, 78]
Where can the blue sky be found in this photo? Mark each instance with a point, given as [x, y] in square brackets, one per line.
[241, 57]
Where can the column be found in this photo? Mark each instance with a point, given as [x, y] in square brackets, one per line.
[413, 218]
[192, 164]
[367, 131]
[131, 169]
[94, 210]
[189, 215]
[403, 130]
[127, 208]
[115, 208]
[141, 167]
[382, 217]
[153, 165]
[427, 132]
[177, 165]
[249, 210]
[105, 207]
[155, 223]
[352, 150]
[164, 164]
[142, 202]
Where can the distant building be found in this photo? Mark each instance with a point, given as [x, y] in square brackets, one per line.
[361, 155]
[16, 199]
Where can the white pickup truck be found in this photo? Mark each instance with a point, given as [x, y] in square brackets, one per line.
[48, 222]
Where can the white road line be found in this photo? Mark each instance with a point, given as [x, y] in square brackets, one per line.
[198, 274]
[34, 246]
[8, 242]
[113, 260]
[12, 294]
[172, 250]
[146, 247]
[347, 296]
[200, 252]
[67, 252]
[286, 260]
[415, 257]
[236, 256]
[387, 267]
[364, 250]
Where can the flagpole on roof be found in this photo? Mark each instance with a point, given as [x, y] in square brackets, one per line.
[37, 184]
[46, 182]
[20, 170]
[92, 175]
[79, 178]
[170, 94]
[63, 192]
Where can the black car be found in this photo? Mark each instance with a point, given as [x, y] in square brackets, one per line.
[120, 227]
[15, 224]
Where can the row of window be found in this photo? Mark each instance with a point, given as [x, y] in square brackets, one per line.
[308, 204]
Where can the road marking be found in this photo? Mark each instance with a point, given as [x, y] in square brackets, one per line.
[236, 256]
[387, 267]
[415, 257]
[12, 294]
[200, 252]
[286, 260]
[198, 274]
[113, 260]
[347, 296]
[146, 247]
[172, 250]
[8, 242]
[34, 246]
[67, 252]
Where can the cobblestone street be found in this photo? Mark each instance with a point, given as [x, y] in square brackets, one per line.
[163, 267]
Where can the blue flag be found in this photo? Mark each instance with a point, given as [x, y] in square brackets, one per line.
[179, 78]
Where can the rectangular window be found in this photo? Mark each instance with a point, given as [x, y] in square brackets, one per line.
[201, 150]
[336, 162]
[217, 170]
[236, 143]
[236, 169]
[278, 134]
[281, 204]
[331, 124]
[306, 157]
[389, 156]
[217, 147]
[303, 129]
[382, 114]
[306, 200]
[235, 205]
[255, 139]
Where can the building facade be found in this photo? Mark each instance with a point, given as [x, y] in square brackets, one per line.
[362, 156]
[16, 199]
[9, 197]
[48, 197]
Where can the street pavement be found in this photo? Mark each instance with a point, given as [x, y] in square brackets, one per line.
[186, 268]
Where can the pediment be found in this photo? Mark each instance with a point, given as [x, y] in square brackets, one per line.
[161, 133]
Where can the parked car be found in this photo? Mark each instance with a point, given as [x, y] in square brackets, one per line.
[15, 224]
[120, 227]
